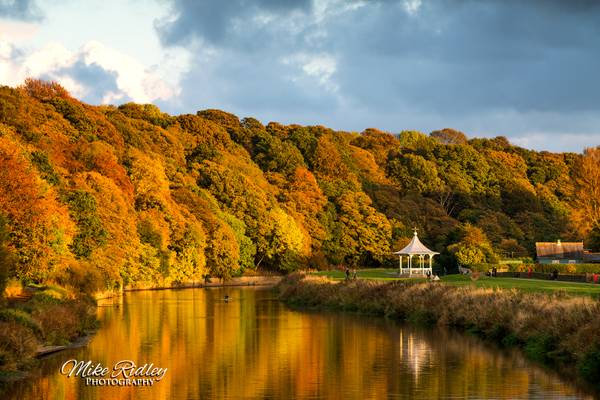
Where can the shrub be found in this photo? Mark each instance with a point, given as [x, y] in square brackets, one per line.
[58, 322]
[17, 345]
[22, 318]
[13, 288]
[569, 268]
[589, 366]
[540, 347]
[82, 277]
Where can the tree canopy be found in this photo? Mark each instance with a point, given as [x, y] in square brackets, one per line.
[132, 194]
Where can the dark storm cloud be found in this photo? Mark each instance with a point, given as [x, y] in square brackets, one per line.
[467, 55]
[96, 79]
[460, 61]
[215, 21]
[265, 84]
[26, 10]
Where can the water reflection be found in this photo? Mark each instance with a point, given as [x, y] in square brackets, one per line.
[255, 347]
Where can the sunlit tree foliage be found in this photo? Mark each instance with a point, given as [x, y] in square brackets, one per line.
[103, 196]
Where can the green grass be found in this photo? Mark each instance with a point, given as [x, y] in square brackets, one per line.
[526, 285]
[373, 273]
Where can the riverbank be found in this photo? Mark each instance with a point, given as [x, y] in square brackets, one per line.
[257, 280]
[39, 320]
[501, 282]
[555, 329]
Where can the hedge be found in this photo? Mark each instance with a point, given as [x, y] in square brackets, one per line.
[544, 268]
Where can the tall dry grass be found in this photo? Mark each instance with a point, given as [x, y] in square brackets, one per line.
[552, 328]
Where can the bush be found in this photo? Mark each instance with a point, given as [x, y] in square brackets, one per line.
[59, 324]
[17, 345]
[539, 347]
[22, 318]
[589, 366]
[13, 288]
[569, 268]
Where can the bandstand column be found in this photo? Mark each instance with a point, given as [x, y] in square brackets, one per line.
[400, 257]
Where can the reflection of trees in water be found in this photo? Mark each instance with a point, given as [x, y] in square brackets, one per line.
[253, 346]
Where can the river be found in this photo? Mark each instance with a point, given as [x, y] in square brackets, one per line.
[254, 346]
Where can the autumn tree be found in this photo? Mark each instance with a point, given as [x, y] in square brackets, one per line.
[449, 136]
[586, 199]
[129, 194]
[473, 246]
[44, 91]
[39, 226]
[6, 257]
[358, 232]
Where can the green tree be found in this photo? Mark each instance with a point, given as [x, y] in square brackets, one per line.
[90, 232]
[363, 232]
[473, 246]
[414, 173]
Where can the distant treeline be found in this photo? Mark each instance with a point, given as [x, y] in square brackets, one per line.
[102, 196]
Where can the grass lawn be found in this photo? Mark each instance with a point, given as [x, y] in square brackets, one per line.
[373, 273]
[529, 285]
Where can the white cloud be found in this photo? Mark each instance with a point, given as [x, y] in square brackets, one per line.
[17, 30]
[133, 80]
[412, 6]
[557, 141]
[52, 57]
[321, 67]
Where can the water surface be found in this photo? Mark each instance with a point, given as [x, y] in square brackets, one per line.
[255, 347]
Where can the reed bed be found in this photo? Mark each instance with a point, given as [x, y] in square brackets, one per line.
[555, 329]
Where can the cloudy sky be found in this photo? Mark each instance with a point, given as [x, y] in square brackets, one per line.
[526, 70]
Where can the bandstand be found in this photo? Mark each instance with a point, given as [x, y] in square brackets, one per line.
[421, 254]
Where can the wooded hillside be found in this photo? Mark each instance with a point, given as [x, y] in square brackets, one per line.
[101, 196]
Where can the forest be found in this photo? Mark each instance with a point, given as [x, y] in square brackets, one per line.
[101, 197]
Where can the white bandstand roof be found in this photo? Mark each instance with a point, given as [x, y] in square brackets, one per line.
[415, 247]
